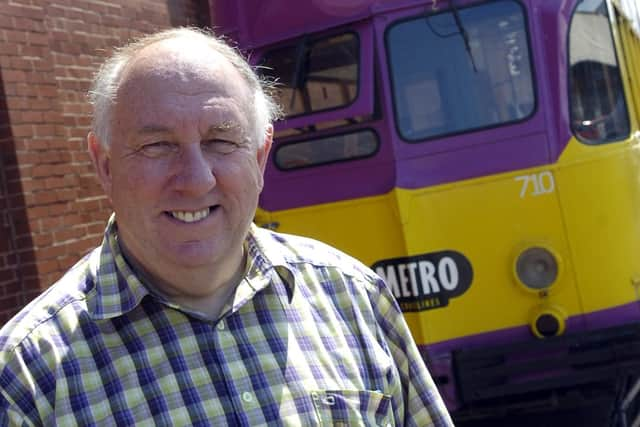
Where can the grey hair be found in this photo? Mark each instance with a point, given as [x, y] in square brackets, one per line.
[106, 81]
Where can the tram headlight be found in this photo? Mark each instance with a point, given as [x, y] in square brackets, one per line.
[537, 268]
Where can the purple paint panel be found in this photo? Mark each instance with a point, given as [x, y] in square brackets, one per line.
[326, 184]
[332, 182]
[472, 161]
[549, 41]
[628, 313]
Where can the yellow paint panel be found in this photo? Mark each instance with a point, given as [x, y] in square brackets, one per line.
[601, 201]
[366, 228]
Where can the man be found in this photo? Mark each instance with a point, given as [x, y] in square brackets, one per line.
[188, 314]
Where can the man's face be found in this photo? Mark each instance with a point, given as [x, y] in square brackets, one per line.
[181, 172]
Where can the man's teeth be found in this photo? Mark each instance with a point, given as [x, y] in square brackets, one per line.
[185, 216]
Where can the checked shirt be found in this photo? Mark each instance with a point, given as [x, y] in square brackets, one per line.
[311, 337]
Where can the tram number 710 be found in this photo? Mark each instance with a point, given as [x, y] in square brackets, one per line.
[536, 184]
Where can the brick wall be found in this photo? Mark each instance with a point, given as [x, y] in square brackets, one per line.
[52, 210]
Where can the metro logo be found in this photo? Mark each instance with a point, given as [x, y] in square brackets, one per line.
[426, 281]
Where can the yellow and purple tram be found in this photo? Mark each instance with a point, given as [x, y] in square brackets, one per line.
[484, 158]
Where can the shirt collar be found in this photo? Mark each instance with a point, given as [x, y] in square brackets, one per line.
[119, 290]
[267, 261]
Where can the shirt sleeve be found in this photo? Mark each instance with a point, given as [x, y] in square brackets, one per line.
[418, 401]
[9, 415]
[21, 378]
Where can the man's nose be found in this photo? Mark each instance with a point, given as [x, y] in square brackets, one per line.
[195, 172]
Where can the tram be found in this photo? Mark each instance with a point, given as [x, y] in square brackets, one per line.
[484, 158]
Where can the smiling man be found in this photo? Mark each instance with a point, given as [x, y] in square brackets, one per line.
[183, 169]
[188, 314]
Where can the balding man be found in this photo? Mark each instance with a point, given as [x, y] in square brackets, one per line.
[188, 314]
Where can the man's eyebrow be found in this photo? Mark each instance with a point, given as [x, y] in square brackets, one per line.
[223, 127]
[226, 126]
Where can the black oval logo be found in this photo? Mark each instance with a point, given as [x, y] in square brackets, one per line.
[426, 281]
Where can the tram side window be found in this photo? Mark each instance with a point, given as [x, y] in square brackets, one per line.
[315, 75]
[598, 108]
[320, 151]
[460, 70]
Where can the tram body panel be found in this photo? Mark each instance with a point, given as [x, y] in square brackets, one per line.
[600, 195]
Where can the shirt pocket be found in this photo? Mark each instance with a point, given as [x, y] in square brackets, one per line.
[342, 408]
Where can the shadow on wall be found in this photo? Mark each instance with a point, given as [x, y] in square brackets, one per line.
[16, 247]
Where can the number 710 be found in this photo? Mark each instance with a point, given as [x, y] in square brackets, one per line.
[536, 184]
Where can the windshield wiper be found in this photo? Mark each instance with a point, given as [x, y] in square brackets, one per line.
[463, 33]
[300, 72]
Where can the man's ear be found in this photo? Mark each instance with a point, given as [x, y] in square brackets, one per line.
[100, 157]
[263, 151]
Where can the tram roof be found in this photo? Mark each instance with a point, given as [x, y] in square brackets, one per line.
[255, 23]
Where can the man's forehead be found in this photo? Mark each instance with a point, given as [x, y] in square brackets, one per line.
[190, 66]
[165, 89]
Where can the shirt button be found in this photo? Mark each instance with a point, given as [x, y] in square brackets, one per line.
[220, 325]
[247, 397]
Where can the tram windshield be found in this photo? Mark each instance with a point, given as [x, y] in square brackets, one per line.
[460, 70]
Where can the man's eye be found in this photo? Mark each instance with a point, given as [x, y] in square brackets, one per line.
[220, 146]
[155, 149]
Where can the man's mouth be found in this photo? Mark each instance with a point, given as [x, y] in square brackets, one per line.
[191, 216]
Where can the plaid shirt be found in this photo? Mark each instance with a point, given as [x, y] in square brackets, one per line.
[310, 337]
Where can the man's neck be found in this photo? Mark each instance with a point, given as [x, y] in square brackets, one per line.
[208, 297]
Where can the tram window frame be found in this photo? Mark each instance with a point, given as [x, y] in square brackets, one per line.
[309, 161]
[307, 44]
[526, 59]
[613, 125]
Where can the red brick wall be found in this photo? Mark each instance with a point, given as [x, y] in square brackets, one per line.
[52, 210]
